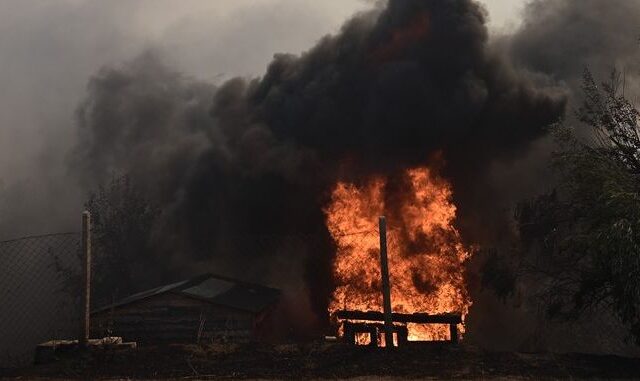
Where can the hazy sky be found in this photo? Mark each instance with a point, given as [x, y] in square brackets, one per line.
[504, 13]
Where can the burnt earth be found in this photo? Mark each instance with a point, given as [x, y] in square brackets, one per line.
[322, 360]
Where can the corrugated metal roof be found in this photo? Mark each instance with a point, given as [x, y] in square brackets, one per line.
[209, 288]
[218, 290]
[247, 298]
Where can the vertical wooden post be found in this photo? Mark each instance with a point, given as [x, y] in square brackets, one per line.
[349, 335]
[453, 333]
[386, 287]
[86, 279]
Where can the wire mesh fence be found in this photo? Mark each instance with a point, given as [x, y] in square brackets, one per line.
[33, 304]
[40, 279]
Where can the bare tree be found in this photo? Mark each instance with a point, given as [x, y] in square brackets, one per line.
[123, 219]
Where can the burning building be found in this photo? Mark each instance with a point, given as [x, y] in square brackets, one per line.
[425, 253]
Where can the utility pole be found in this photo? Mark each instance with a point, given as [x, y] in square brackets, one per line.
[86, 280]
[386, 287]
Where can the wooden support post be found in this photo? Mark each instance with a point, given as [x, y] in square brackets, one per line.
[373, 334]
[453, 333]
[86, 280]
[349, 334]
[386, 287]
[403, 335]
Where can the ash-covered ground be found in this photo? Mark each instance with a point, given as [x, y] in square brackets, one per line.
[331, 361]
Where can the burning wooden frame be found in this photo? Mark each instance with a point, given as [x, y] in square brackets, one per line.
[379, 328]
[355, 323]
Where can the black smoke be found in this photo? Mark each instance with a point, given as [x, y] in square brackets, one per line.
[260, 156]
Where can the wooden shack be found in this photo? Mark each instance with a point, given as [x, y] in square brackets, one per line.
[207, 308]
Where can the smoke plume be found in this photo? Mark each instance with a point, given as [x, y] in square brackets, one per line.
[260, 156]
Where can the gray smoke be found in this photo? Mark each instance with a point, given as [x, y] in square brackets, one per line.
[562, 38]
[50, 49]
[557, 41]
[409, 79]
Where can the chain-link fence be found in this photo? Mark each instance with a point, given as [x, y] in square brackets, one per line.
[40, 280]
[34, 306]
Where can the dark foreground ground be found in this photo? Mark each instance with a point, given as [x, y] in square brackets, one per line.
[330, 361]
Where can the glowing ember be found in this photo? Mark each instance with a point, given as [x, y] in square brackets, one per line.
[363, 338]
[426, 256]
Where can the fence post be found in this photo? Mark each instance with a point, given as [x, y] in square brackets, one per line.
[386, 288]
[86, 280]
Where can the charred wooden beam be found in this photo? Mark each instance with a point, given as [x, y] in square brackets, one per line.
[453, 333]
[352, 329]
[386, 287]
[418, 318]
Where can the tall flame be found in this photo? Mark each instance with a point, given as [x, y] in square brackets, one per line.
[426, 255]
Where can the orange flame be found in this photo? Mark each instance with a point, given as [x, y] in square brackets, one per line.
[426, 256]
